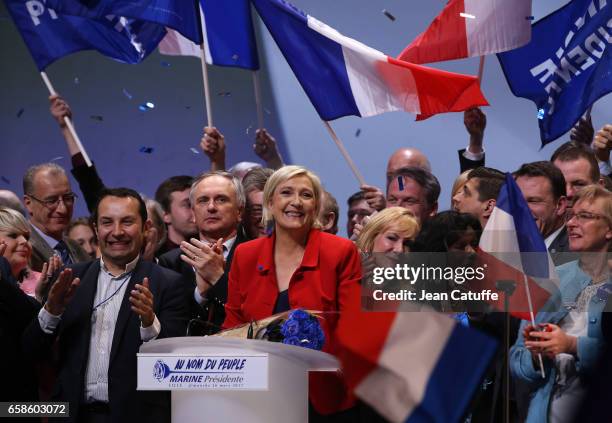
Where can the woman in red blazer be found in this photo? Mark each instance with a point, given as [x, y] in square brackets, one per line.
[297, 266]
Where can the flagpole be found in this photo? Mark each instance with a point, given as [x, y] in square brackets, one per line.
[209, 118]
[68, 121]
[481, 68]
[258, 105]
[533, 322]
[345, 153]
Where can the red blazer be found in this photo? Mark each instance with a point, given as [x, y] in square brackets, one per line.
[327, 280]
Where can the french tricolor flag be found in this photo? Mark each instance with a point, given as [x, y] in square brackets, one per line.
[468, 28]
[513, 249]
[343, 77]
[228, 36]
[413, 366]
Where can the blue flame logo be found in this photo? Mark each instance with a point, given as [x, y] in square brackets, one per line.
[160, 370]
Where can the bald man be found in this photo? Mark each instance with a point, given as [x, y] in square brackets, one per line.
[10, 200]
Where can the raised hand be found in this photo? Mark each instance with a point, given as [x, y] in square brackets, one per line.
[266, 149]
[213, 145]
[142, 303]
[48, 270]
[582, 132]
[62, 292]
[602, 143]
[374, 197]
[59, 108]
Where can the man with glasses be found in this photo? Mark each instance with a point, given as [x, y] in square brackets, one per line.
[49, 200]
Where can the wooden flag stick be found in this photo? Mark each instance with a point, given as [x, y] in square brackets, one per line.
[531, 315]
[345, 153]
[209, 118]
[258, 105]
[67, 120]
[481, 68]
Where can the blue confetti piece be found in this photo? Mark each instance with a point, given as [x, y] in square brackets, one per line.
[400, 182]
[97, 117]
[20, 112]
[147, 150]
[127, 94]
[146, 106]
[5, 179]
[357, 133]
[194, 151]
[165, 64]
[55, 159]
[388, 15]
[541, 114]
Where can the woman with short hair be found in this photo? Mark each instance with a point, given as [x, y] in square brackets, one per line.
[569, 337]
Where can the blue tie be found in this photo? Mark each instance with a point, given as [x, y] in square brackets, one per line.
[62, 251]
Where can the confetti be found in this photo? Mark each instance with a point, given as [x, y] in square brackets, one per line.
[467, 15]
[56, 159]
[225, 94]
[248, 129]
[235, 57]
[541, 114]
[358, 132]
[146, 106]
[147, 150]
[5, 179]
[96, 117]
[194, 151]
[188, 107]
[400, 183]
[166, 64]
[76, 80]
[127, 94]
[20, 112]
[388, 15]
[267, 111]
[529, 18]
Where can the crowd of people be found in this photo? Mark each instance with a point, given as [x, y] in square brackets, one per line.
[230, 246]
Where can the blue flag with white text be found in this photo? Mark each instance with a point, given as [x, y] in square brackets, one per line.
[50, 35]
[567, 65]
[181, 15]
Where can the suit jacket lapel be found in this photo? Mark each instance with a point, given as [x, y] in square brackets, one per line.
[125, 312]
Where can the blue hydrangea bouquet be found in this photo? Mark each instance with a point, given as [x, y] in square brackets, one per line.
[296, 327]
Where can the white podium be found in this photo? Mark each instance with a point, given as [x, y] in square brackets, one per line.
[217, 379]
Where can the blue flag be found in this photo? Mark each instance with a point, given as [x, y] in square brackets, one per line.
[181, 15]
[50, 36]
[228, 31]
[566, 67]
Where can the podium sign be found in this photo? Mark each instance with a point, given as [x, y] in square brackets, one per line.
[172, 372]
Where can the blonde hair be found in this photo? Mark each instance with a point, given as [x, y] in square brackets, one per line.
[593, 192]
[459, 183]
[381, 221]
[284, 174]
[11, 221]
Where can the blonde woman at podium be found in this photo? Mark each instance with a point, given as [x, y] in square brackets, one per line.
[296, 266]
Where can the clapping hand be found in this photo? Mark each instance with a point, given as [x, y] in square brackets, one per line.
[142, 303]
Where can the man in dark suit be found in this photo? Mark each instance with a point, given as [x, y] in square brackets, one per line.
[50, 201]
[217, 200]
[100, 313]
[16, 311]
[543, 187]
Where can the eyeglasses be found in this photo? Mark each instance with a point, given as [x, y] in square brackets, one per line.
[53, 202]
[584, 216]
